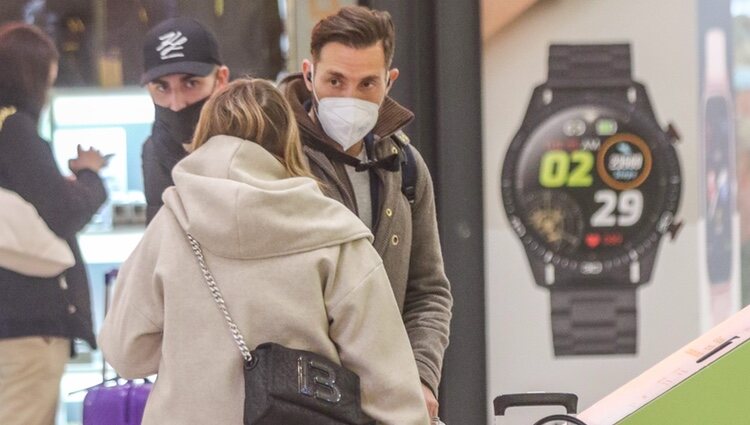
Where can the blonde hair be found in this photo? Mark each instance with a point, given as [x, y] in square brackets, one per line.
[253, 109]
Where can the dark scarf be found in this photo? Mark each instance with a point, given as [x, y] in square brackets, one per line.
[171, 130]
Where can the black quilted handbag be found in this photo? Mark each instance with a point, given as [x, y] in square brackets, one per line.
[288, 386]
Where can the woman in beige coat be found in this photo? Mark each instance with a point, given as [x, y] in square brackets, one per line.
[295, 268]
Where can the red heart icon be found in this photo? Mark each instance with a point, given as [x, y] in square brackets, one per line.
[593, 240]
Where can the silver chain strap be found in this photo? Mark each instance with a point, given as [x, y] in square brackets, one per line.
[216, 293]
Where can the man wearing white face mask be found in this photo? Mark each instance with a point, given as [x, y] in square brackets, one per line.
[351, 132]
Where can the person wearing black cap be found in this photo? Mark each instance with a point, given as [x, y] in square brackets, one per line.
[183, 68]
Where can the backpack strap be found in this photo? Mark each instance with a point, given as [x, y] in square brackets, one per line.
[408, 166]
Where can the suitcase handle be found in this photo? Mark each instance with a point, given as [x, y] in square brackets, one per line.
[557, 418]
[106, 383]
[109, 279]
[110, 276]
[567, 400]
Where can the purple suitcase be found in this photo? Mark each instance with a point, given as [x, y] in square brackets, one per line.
[121, 404]
[112, 403]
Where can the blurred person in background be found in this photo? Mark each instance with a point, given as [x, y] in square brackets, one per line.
[40, 316]
[183, 68]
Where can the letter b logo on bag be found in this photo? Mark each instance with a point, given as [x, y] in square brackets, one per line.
[317, 380]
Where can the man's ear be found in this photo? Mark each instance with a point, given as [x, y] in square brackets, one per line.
[307, 68]
[222, 76]
[393, 74]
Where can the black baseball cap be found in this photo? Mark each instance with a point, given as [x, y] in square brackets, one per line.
[179, 46]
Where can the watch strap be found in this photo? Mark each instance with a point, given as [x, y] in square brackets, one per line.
[596, 318]
[593, 320]
[589, 65]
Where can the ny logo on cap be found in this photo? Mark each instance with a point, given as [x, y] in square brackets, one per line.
[171, 45]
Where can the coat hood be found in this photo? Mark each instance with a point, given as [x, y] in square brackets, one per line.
[236, 199]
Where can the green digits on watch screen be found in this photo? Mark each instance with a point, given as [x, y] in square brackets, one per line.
[589, 190]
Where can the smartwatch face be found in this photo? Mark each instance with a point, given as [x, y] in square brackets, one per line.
[591, 188]
[718, 192]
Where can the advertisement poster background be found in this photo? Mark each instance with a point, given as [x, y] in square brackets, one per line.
[663, 36]
[741, 84]
[718, 219]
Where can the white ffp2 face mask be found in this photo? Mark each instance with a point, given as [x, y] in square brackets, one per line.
[346, 120]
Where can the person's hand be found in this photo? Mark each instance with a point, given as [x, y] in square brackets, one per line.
[431, 401]
[88, 159]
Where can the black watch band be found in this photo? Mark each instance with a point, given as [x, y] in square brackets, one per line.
[592, 320]
[589, 65]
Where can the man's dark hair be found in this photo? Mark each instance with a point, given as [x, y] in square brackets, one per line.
[26, 55]
[357, 27]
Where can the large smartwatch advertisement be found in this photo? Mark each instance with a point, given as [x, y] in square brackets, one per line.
[590, 184]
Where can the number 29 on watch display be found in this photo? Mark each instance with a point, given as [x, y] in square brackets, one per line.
[559, 168]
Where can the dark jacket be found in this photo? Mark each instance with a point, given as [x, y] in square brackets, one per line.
[159, 155]
[406, 236]
[46, 306]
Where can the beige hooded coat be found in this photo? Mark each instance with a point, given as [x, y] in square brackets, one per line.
[295, 268]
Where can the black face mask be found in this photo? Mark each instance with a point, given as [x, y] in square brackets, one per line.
[179, 126]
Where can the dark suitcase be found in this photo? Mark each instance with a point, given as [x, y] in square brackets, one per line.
[566, 400]
[112, 402]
